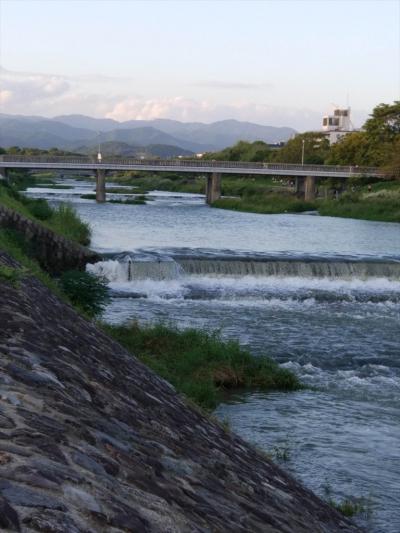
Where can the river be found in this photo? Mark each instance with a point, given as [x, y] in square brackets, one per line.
[320, 295]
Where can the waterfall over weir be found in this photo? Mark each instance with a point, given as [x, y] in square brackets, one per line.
[131, 270]
[133, 267]
[293, 268]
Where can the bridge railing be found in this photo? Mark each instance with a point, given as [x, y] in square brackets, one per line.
[187, 163]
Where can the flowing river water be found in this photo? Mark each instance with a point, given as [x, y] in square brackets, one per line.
[320, 295]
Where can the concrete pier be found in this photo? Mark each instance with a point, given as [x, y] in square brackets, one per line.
[100, 185]
[299, 186]
[213, 187]
[309, 188]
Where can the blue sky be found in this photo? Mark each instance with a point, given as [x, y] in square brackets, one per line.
[278, 63]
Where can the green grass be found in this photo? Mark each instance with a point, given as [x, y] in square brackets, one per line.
[267, 204]
[199, 364]
[62, 220]
[263, 195]
[162, 182]
[381, 203]
[66, 222]
[9, 274]
[122, 190]
[381, 210]
[137, 200]
[166, 181]
[51, 186]
[349, 507]
[38, 176]
[14, 245]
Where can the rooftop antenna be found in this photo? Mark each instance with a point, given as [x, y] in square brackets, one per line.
[348, 107]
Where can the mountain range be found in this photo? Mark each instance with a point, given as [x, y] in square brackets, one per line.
[74, 132]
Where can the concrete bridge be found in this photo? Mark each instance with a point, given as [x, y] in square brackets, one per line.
[306, 176]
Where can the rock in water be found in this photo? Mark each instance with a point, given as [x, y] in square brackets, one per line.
[91, 440]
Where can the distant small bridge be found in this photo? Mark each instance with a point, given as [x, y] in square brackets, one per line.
[306, 175]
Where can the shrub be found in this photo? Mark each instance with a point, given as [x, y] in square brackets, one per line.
[40, 209]
[86, 291]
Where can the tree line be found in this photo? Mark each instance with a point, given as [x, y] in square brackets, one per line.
[376, 144]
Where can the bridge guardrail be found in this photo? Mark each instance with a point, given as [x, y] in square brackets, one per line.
[173, 163]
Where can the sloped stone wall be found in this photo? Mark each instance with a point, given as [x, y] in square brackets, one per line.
[54, 252]
[92, 441]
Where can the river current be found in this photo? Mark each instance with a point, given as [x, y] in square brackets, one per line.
[320, 295]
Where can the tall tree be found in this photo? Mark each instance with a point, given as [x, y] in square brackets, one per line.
[316, 149]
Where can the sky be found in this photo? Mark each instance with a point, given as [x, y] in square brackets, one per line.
[279, 63]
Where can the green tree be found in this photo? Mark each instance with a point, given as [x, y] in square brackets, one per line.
[376, 145]
[316, 149]
[353, 149]
[383, 126]
[258, 151]
[392, 168]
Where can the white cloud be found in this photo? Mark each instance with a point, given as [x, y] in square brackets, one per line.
[5, 96]
[101, 96]
[50, 94]
[178, 108]
[185, 109]
[236, 85]
[25, 87]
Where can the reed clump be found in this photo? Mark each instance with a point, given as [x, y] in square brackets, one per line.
[200, 364]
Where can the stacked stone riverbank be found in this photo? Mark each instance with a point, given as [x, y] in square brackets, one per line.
[93, 441]
[54, 253]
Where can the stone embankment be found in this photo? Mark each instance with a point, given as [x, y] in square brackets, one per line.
[92, 441]
[53, 252]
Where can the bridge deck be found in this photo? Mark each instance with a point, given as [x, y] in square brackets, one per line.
[183, 165]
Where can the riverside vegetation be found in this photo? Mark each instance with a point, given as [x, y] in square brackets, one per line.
[199, 364]
[377, 144]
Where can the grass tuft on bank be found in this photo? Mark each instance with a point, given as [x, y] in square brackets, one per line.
[65, 221]
[199, 364]
[382, 205]
[15, 246]
[62, 220]
[9, 275]
[265, 204]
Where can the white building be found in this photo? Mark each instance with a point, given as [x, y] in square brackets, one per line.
[337, 125]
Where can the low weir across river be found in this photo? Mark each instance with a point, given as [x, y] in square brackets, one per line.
[136, 266]
[306, 176]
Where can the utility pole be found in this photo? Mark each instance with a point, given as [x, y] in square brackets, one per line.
[302, 151]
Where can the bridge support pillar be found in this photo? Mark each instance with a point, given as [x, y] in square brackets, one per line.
[4, 174]
[309, 188]
[100, 185]
[213, 188]
[299, 186]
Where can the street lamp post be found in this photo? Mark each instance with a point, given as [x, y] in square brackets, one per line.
[302, 151]
[99, 158]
